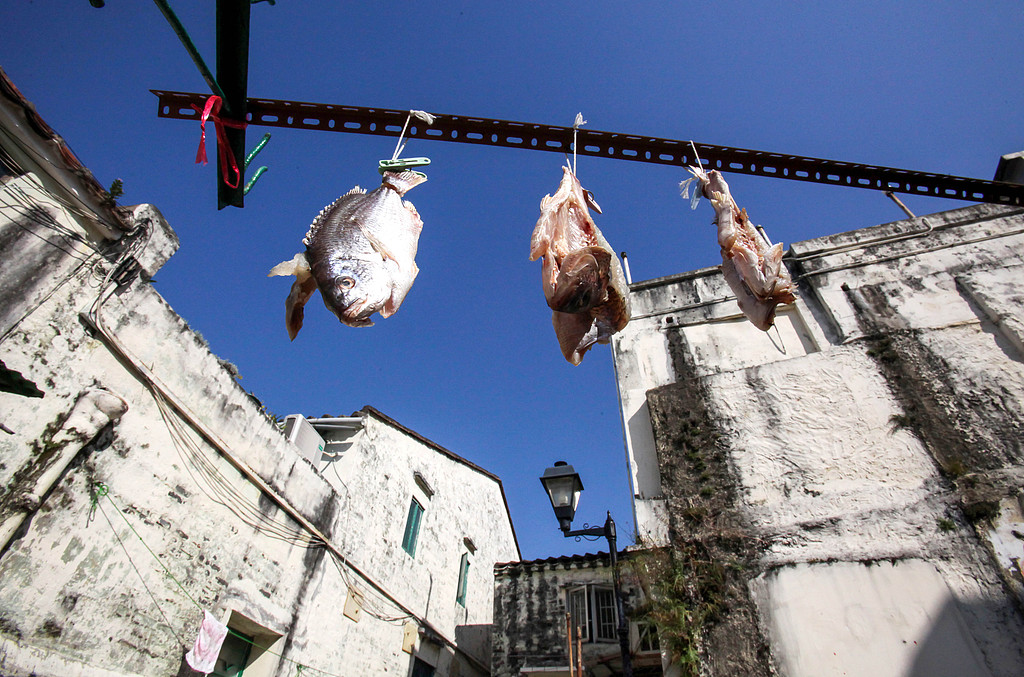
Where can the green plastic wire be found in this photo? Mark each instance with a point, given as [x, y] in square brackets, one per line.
[253, 180]
[106, 492]
[98, 490]
[167, 621]
[255, 151]
[190, 47]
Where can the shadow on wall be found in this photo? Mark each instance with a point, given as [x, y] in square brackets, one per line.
[475, 640]
[886, 619]
[949, 649]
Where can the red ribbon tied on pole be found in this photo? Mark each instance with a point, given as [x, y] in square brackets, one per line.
[227, 158]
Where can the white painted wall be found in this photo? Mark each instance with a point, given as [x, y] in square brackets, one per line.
[865, 544]
[211, 487]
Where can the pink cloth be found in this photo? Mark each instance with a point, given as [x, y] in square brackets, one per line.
[203, 656]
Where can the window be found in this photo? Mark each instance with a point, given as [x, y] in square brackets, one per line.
[412, 527]
[463, 579]
[592, 609]
[647, 640]
[422, 669]
[249, 648]
[234, 655]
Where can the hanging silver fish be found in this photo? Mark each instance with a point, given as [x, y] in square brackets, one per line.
[360, 253]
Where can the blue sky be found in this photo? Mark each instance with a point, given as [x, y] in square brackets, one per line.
[471, 360]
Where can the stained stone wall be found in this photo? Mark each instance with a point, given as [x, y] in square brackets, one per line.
[859, 467]
[147, 485]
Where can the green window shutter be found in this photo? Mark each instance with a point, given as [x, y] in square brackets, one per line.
[412, 527]
[463, 579]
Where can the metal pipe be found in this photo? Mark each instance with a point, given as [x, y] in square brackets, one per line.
[190, 47]
[627, 663]
[892, 196]
[625, 268]
[608, 531]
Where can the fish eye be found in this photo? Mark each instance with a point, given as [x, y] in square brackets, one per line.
[346, 283]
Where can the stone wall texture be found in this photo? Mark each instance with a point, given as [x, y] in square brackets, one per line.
[147, 485]
[859, 467]
[530, 606]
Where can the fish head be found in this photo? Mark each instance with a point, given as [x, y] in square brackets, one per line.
[354, 289]
[582, 281]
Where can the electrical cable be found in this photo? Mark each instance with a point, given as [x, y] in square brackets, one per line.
[82, 209]
[175, 414]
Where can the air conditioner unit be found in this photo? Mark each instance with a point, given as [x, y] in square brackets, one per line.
[303, 435]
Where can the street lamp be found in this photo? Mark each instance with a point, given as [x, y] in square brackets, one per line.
[563, 486]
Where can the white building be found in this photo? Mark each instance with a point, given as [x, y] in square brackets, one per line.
[856, 473]
[147, 486]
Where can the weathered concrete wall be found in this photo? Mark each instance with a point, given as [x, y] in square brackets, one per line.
[464, 513]
[875, 438]
[201, 481]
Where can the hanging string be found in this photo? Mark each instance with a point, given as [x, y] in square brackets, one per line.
[781, 345]
[575, 130]
[698, 175]
[101, 490]
[419, 114]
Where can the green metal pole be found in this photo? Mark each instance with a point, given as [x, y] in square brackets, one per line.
[190, 46]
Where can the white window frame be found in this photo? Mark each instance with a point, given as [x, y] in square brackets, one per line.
[599, 622]
[639, 630]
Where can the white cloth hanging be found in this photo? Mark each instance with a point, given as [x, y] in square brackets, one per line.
[203, 656]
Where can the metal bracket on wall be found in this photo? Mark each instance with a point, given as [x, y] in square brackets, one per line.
[531, 136]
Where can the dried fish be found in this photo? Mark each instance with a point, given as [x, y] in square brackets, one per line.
[581, 276]
[752, 267]
[360, 253]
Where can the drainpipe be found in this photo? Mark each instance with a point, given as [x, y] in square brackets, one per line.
[93, 410]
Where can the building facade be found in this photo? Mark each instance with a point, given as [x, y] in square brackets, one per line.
[146, 487]
[845, 490]
[538, 603]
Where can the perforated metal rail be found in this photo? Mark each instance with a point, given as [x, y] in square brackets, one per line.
[531, 136]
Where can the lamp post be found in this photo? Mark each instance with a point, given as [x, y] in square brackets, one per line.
[563, 485]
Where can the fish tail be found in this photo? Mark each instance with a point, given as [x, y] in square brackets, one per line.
[403, 182]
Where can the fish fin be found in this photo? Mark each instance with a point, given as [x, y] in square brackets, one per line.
[378, 245]
[417, 222]
[403, 182]
[698, 191]
[540, 240]
[302, 290]
[548, 275]
[398, 293]
[575, 333]
[323, 213]
[298, 266]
